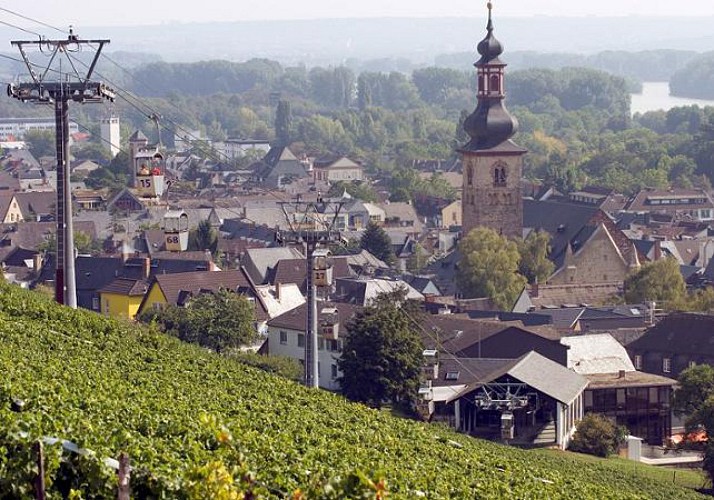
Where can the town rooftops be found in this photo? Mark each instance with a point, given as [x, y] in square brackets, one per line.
[668, 200]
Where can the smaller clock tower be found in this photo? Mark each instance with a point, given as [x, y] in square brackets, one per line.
[492, 162]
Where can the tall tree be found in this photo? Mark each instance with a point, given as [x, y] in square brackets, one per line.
[382, 355]
[535, 264]
[489, 267]
[377, 242]
[660, 281]
[218, 320]
[283, 123]
[205, 237]
[694, 399]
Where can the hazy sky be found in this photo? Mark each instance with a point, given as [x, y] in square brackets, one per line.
[132, 12]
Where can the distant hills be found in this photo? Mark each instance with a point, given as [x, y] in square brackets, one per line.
[418, 40]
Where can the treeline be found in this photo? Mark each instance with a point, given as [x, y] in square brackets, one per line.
[696, 79]
[643, 66]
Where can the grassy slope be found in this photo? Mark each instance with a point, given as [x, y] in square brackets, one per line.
[113, 387]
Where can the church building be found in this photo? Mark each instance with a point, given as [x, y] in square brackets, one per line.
[492, 162]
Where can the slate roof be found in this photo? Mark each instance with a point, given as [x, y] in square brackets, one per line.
[173, 284]
[295, 271]
[126, 286]
[36, 203]
[598, 353]
[364, 259]
[469, 370]
[454, 333]
[642, 201]
[571, 224]
[363, 291]
[138, 135]
[538, 372]
[32, 234]
[679, 333]
[296, 319]
[93, 273]
[264, 259]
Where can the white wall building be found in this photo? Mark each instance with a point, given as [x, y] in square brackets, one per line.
[286, 337]
[15, 128]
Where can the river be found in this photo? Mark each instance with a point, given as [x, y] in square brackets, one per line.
[655, 95]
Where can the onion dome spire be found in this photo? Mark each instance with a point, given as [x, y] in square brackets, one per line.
[489, 47]
[490, 124]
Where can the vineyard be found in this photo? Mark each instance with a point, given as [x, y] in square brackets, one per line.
[198, 425]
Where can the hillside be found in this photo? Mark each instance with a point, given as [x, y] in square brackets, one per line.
[184, 415]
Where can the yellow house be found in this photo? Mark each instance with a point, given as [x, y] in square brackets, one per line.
[451, 214]
[176, 288]
[13, 212]
[122, 297]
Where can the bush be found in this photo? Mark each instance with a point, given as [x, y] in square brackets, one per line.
[279, 365]
[597, 435]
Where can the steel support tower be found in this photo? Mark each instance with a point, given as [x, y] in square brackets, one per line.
[67, 86]
[313, 214]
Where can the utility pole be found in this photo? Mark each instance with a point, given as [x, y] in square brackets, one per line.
[67, 86]
[306, 232]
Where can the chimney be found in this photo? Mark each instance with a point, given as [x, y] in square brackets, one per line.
[621, 374]
[126, 251]
[534, 288]
[278, 290]
[146, 267]
[657, 250]
[37, 262]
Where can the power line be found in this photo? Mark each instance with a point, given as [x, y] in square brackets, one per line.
[32, 20]
[22, 29]
[135, 101]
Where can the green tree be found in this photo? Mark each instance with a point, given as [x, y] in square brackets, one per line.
[597, 435]
[40, 142]
[357, 189]
[694, 399]
[418, 259]
[535, 264]
[382, 354]
[377, 242]
[221, 320]
[660, 281]
[283, 123]
[205, 237]
[489, 267]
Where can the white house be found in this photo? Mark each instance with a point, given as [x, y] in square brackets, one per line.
[286, 337]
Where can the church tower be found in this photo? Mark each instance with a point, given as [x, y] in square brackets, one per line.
[492, 162]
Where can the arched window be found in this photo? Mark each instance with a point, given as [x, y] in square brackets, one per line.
[495, 85]
[481, 86]
[470, 176]
[499, 175]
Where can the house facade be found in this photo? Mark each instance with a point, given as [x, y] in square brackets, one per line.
[341, 170]
[677, 342]
[286, 337]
